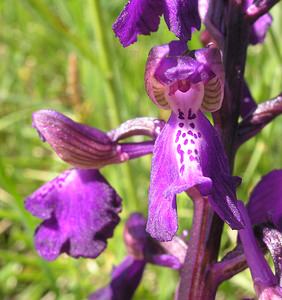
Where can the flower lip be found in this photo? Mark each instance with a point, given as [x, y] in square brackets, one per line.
[79, 210]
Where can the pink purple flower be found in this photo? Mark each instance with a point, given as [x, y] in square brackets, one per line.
[188, 152]
[143, 17]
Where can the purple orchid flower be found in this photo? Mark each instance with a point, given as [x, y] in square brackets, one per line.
[143, 17]
[188, 152]
[79, 210]
[141, 250]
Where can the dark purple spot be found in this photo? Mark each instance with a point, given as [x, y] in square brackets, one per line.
[192, 141]
[180, 114]
[181, 125]
[177, 136]
[183, 135]
[197, 159]
[182, 169]
[191, 157]
[180, 152]
[195, 136]
[191, 115]
[186, 142]
[199, 134]
[192, 125]
[189, 151]
[190, 132]
[196, 151]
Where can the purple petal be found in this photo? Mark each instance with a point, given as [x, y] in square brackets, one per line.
[166, 260]
[189, 153]
[259, 29]
[80, 211]
[260, 270]
[83, 146]
[182, 17]
[273, 240]
[171, 70]
[135, 236]
[125, 280]
[138, 17]
[265, 204]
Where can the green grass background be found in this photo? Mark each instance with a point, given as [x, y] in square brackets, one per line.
[37, 39]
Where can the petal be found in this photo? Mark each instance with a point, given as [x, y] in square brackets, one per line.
[273, 240]
[259, 29]
[214, 86]
[188, 153]
[260, 270]
[156, 90]
[135, 236]
[138, 17]
[265, 204]
[83, 146]
[171, 68]
[145, 126]
[173, 171]
[78, 144]
[182, 17]
[125, 280]
[166, 260]
[215, 166]
[80, 211]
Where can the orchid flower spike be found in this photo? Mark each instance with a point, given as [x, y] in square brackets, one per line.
[143, 17]
[188, 152]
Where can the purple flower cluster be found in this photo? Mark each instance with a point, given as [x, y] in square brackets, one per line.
[79, 208]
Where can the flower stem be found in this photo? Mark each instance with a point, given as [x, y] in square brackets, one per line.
[196, 282]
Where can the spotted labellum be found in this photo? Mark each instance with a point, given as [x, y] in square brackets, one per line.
[188, 152]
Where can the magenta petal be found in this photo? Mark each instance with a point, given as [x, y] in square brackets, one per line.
[138, 17]
[215, 166]
[259, 29]
[265, 204]
[182, 17]
[78, 144]
[166, 260]
[83, 146]
[125, 280]
[167, 181]
[188, 153]
[80, 211]
[260, 270]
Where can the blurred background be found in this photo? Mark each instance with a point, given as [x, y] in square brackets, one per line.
[63, 55]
